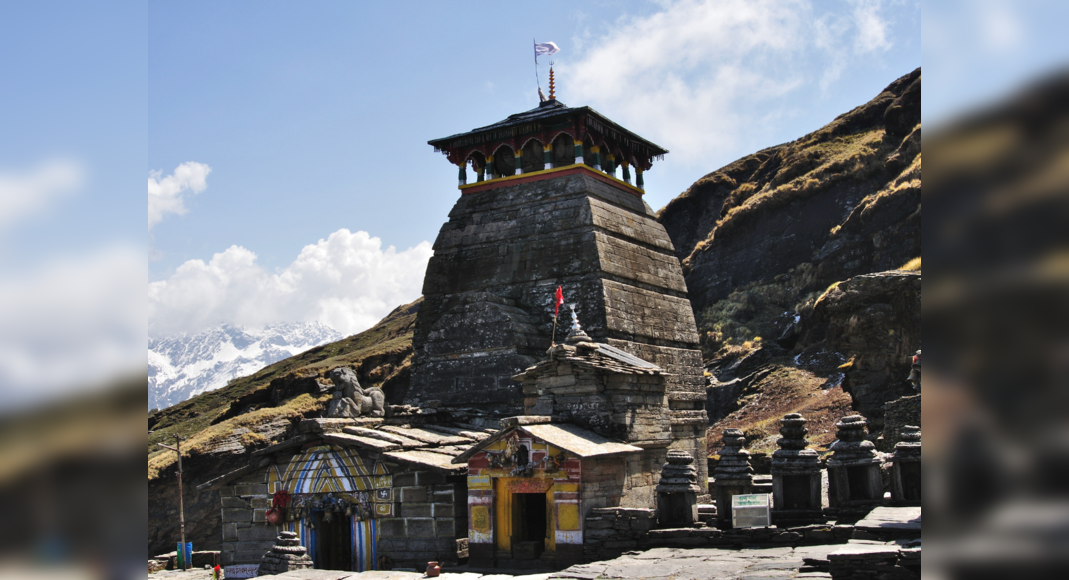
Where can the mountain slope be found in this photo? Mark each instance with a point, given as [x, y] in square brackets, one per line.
[254, 411]
[802, 263]
[183, 366]
[761, 235]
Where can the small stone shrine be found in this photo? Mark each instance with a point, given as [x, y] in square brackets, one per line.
[287, 555]
[795, 476]
[854, 468]
[677, 492]
[906, 468]
[733, 475]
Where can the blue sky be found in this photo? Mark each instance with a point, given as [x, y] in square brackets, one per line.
[313, 120]
[301, 129]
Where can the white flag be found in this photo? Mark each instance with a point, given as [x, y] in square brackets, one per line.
[545, 49]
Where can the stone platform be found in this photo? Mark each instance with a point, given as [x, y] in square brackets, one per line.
[889, 523]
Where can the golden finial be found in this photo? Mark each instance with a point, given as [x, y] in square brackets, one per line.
[552, 94]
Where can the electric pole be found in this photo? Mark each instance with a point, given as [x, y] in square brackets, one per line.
[181, 507]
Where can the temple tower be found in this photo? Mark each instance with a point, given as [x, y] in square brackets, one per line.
[552, 203]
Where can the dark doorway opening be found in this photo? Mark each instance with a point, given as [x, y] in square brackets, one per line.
[910, 472]
[858, 480]
[796, 492]
[334, 542]
[528, 525]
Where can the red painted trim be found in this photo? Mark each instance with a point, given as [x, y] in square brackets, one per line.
[487, 186]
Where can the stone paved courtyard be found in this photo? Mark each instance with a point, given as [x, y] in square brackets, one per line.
[655, 564]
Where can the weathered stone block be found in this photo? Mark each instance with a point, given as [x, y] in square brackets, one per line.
[416, 510]
[391, 528]
[230, 532]
[234, 502]
[444, 527]
[251, 489]
[413, 494]
[236, 515]
[257, 534]
[420, 527]
[444, 510]
[404, 480]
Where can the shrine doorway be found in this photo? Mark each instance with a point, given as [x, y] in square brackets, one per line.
[334, 542]
[529, 520]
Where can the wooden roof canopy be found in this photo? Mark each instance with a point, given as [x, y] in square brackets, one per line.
[546, 123]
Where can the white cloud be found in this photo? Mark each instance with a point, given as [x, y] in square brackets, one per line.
[71, 323]
[346, 281]
[871, 27]
[25, 193]
[700, 76]
[166, 195]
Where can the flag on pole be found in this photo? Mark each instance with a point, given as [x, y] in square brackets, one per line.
[559, 301]
[545, 49]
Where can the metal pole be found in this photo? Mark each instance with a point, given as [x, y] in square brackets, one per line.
[181, 505]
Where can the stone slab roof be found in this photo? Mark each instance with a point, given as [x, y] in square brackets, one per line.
[566, 436]
[425, 447]
[601, 357]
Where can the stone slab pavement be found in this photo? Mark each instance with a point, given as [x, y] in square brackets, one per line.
[779, 563]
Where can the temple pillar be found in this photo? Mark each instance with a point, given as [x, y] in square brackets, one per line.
[490, 167]
[519, 161]
[597, 157]
[463, 174]
[547, 155]
[638, 179]
[626, 172]
[610, 164]
[579, 152]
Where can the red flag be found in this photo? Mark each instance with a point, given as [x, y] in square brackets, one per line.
[559, 301]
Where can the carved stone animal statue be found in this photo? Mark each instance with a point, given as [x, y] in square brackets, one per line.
[350, 400]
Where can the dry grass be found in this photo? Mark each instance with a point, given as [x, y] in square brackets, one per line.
[785, 390]
[204, 440]
[913, 265]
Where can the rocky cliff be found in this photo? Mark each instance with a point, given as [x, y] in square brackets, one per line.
[802, 263]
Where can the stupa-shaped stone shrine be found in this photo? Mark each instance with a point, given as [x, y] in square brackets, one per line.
[287, 555]
[906, 470]
[677, 492]
[854, 468]
[796, 497]
[733, 474]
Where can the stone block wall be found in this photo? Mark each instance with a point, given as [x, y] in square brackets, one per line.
[612, 531]
[430, 515]
[246, 536]
[896, 415]
[497, 262]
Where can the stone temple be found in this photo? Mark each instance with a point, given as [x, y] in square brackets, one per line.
[553, 204]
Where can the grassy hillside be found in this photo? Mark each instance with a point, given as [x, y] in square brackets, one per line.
[379, 354]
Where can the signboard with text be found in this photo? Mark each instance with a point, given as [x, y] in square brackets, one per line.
[750, 511]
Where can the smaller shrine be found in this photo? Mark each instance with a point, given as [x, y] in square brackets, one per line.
[796, 493]
[733, 475]
[528, 485]
[287, 555]
[906, 468]
[677, 492]
[854, 468]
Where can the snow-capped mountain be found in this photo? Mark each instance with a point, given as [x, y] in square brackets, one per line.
[180, 367]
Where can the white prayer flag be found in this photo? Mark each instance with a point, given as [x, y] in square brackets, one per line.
[545, 49]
